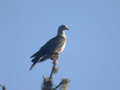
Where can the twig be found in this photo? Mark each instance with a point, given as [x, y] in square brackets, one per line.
[63, 84]
[53, 69]
[47, 84]
[58, 86]
[3, 87]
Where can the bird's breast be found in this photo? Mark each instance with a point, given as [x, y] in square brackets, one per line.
[61, 49]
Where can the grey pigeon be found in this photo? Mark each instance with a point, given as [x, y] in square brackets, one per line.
[52, 48]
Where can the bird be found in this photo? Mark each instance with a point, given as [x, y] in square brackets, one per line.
[52, 48]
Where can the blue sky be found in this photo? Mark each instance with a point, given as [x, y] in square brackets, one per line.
[91, 59]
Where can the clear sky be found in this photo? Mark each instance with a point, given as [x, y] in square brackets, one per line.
[91, 59]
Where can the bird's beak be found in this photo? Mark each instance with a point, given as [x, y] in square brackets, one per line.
[67, 28]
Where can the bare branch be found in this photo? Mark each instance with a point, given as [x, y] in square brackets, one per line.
[64, 85]
[54, 69]
[3, 87]
[58, 86]
[47, 84]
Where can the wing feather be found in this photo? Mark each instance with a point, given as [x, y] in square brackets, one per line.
[50, 46]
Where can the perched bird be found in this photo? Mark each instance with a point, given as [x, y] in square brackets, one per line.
[52, 48]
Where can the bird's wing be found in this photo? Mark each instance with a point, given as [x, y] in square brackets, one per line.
[50, 46]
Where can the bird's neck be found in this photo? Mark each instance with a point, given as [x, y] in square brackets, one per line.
[62, 34]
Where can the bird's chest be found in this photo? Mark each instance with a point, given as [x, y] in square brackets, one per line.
[61, 47]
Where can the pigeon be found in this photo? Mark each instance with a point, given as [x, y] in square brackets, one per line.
[51, 49]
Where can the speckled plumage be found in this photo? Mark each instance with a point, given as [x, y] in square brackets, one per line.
[52, 48]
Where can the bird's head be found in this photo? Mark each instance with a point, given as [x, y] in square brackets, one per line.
[63, 27]
[61, 30]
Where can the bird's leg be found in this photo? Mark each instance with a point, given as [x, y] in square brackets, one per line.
[55, 57]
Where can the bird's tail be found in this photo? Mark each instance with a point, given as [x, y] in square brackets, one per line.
[32, 65]
[35, 60]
